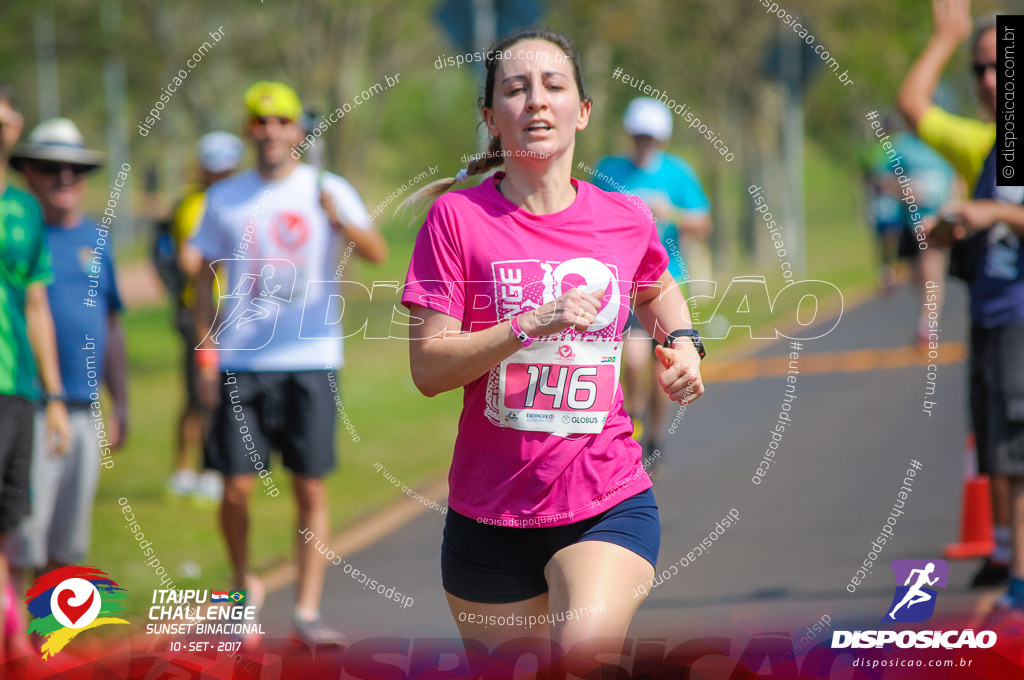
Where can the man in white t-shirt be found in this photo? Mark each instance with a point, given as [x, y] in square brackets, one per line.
[275, 234]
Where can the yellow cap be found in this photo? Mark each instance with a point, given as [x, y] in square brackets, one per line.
[269, 98]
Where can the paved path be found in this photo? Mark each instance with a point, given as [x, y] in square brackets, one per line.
[857, 423]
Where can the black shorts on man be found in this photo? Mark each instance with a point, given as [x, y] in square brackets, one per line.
[291, 412]
[997, 398]
[17, 422]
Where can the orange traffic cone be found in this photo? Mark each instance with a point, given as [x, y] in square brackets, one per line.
[976, 533]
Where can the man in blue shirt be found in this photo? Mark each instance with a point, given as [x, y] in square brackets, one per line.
[992, 232]
[670, 188]
[90, 347]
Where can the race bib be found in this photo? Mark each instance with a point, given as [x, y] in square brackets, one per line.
[560, 388]
[565, 383]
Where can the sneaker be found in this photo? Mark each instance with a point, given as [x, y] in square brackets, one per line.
[316, 632]
[183, 483]
[1004, 617]
[921, 335]
[887, 280]
[255, 594]
[991, 574]
[209, 490]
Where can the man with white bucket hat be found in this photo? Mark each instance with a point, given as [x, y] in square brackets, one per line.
[90, 347]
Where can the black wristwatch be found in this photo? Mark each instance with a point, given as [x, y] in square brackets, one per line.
[687, 333]
[53, 396]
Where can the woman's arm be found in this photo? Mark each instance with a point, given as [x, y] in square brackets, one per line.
[443, 358]
[981, 214]
[952, 26]
[662, 309]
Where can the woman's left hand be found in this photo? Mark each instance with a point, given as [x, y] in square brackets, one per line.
[681, 378]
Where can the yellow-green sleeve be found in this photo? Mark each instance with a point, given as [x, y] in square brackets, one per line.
[964, 142]
[187, 217]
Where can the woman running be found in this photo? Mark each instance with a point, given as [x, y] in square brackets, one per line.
[520, 288]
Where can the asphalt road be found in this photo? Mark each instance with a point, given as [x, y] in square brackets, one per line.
[856, 424]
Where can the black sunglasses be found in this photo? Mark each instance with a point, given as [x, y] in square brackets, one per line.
[49, 168]
[261, 121]
[981, 69]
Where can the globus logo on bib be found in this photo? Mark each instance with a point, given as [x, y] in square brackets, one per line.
[581, 420]
[915, 582]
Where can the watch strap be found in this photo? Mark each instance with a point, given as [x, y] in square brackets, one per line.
[690, 333]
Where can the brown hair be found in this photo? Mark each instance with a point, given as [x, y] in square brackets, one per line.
[494, 156]
[982, 25]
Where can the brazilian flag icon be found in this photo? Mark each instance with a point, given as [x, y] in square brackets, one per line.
[237, 596]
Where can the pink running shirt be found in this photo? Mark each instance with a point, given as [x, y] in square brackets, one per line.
[480, 258]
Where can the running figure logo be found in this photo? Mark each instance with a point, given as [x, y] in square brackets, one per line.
[914, 601]
[247, 317]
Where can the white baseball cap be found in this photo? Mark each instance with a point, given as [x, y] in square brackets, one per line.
[220, 151]
[648, 116]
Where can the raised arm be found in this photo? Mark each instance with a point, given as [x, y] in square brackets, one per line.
[952, 21]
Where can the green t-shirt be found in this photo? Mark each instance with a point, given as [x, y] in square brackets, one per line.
[24, 260]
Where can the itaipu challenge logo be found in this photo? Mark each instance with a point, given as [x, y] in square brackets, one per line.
[69, 600]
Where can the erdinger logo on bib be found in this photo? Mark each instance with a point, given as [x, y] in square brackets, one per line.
[562, 384]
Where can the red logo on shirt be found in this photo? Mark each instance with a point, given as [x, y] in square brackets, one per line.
[290, 230]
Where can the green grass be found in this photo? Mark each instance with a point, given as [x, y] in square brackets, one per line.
[409, 434]
[839, 250]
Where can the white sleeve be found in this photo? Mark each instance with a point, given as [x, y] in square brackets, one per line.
[347, 202]
[210, 240]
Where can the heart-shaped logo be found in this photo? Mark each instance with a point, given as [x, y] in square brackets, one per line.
[74, 612]
[75, 603]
